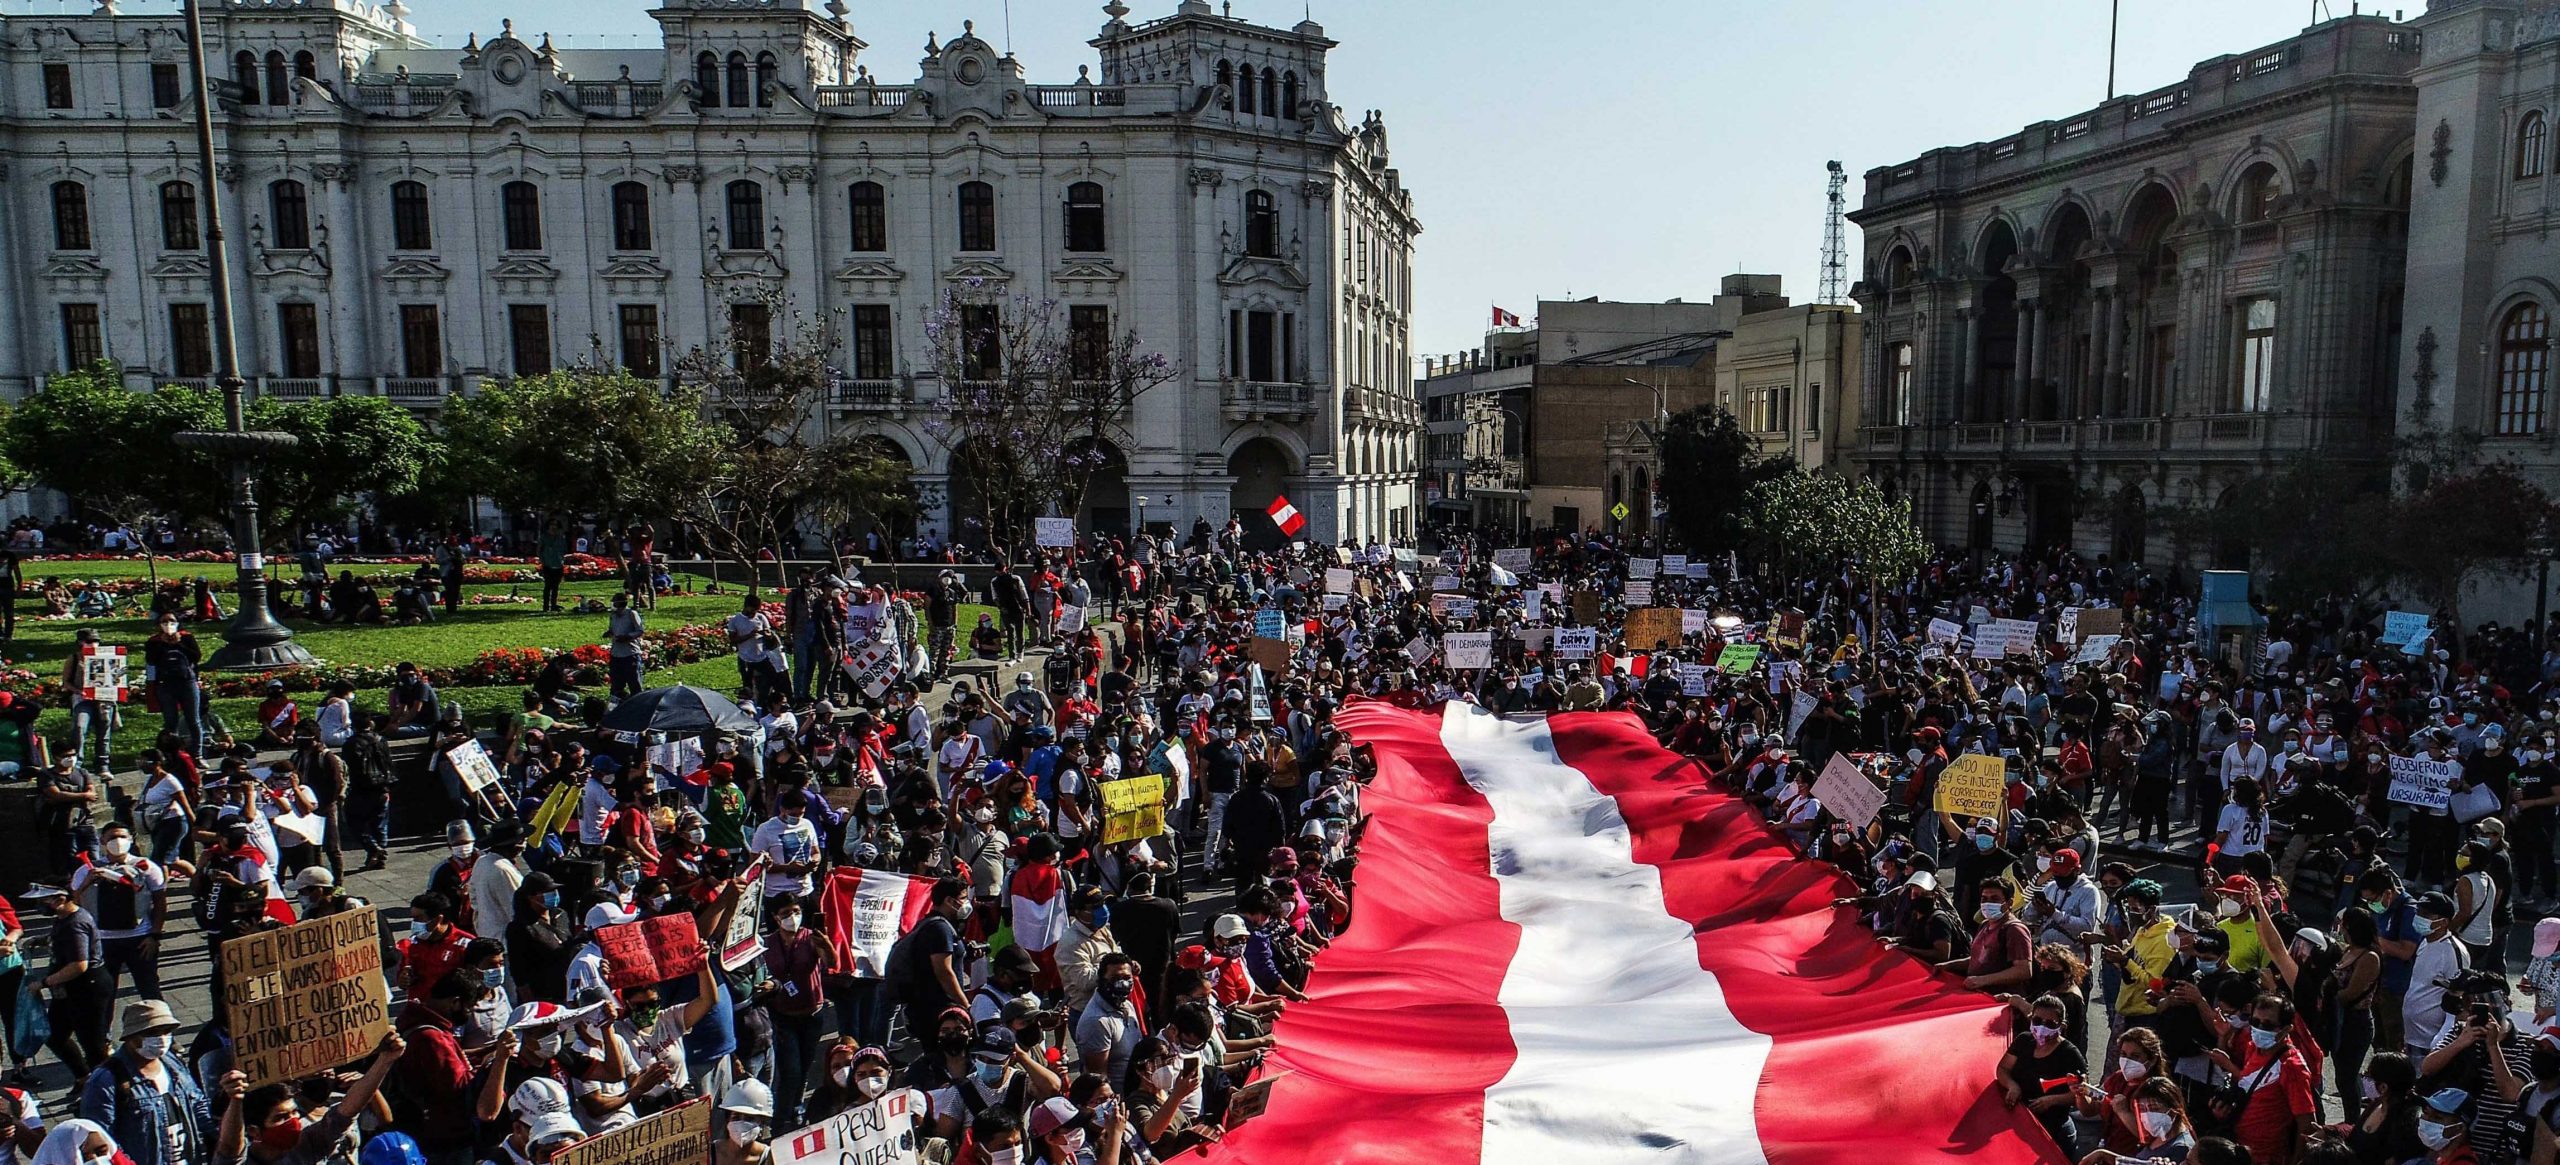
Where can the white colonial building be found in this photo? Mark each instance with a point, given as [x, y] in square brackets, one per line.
[410, 221]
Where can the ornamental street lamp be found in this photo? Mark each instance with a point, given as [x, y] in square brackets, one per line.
[254, 641]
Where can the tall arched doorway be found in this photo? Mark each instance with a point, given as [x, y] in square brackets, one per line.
[1981, 517]
[1104, 509]
[887, 513]
[2064, 356]
[1996, 344]
[2149, 330]
[2132, 534]
[1261, 468]
[980, 476]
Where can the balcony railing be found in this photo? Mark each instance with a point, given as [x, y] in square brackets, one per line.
[1258, 398]
[292, 387]
[870, 395]
[863, 96]
[1077, 97]
[414, 388]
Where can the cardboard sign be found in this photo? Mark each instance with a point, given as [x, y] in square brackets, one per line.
[1533, 603]
[1336, 602]
[652, 950]
[1534, 639]
[1675, 564]
[745, 939]
[882, 1132]
[2096, 648]
[1849, 794]
[2400, 628]
[2427, 784]
[1640, 593]
[1800, 711]
[1460, 608]
[678, 1136]
[1469, 649]
[1973, 785]
[1271, 653]
[305, 998]
[1586, 607]
[1512, 558]
[1072, 618]
[473, 764]
[872, 668]
[2100, 621]
[1693, 679]
[1576, 642]
[1641, 567]
[1693, 621]
[1738, 658]
[2004, 637]
[1977, 616]
[1337, 580]
[1651, 625]
[102, 673]
[1054, 532]
[1945, 632]
[1251, 1101]
[1132, 808]
[1269, 623]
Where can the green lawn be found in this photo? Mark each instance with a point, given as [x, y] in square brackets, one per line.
[453, 640]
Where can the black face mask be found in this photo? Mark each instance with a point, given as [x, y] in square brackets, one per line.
[953, 1043]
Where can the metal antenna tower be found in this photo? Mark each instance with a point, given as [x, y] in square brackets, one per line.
[1835, 243]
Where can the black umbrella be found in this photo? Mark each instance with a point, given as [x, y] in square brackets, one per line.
[680, 712]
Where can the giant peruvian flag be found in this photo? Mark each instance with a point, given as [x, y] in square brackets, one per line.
[1286, 517]
[864, 912]
[1570, 949]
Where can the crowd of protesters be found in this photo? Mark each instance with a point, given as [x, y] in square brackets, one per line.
[1075, 993]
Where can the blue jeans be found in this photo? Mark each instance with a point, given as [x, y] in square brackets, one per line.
[863, 1012]
[804, 666]
[795, 1044]
[182, 710]
[88, 716]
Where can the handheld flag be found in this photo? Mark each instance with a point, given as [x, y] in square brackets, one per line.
[1286, 517]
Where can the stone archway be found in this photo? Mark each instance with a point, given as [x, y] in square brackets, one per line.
[1261, 468]
[1104, 508]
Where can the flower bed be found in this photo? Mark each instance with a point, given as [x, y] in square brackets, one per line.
[476, 572]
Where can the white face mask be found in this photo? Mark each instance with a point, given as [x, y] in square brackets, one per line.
[1009, 1155]
[154, 1047]
[465, 852]
[2131, 1069]
[119, 846]
[2156, 1125]
[787, 923]
[871, 1086]
[1161, 1076]
[742, 1132]
[2228, 908]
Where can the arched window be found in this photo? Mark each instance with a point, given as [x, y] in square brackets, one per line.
[306, 66]
[2524, 369]
[746, 215]
[2258, 192]
[178, 217]
[1261, 225]
[290, 206]
[244, 73]
[70, 216]
[1084, 217]
[1899, 273]
[739, 79]
[1227, 81]
[279, 89]
[1271, 94]
[977, 216]
[706, 78]
[412, 225]
[1244, 89]
[2533, 136]
[870, 217]
[520, 216]
[1289, 94]
[768, 70]
[630, 216]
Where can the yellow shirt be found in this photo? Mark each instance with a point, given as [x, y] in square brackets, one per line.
[2248, 955]
[2148, 960]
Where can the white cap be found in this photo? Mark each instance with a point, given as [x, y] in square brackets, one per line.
[538, 1096]
[748, 1097]
[1229, 926]
[1923, 879]
[604, 914]
[312, 876]
[552, 1126]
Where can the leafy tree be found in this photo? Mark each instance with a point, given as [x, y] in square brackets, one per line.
[1709, 466]
[350, 446]
[2477, 523]
[113, 452]
[2314, 526]
[1027, 405]
[585, 440]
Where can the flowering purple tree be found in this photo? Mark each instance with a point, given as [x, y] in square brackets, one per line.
[1033, 398]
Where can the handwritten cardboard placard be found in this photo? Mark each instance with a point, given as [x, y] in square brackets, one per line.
[1648, 626]
[1272, 654]
[1849, 794]
[1056, 533]
[1642, 567]
[1973, 785]
[1512, 558]
[678, 1136]
[1469, 649]
[306, 997]
[472, 762]
[1132, 808]
[652, 950]
[882, 1132]
[1576, 642]
[1738, 658]
[2427, 784]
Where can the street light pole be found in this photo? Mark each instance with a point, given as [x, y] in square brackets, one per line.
[254, 641]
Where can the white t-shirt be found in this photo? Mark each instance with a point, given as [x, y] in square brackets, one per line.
[586, 969]
[2241, 832]
[783, 841]
[751, 649]
[494, 879]
[2251, 763]
[148, 882]
[663, 1042]
[595, 805]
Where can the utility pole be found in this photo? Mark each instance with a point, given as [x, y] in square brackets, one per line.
[254, 641]
[2115, 9]
[1835, 240]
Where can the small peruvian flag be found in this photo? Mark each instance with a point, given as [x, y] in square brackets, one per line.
[1286, 517]
[1505, 319]
[809, 1144]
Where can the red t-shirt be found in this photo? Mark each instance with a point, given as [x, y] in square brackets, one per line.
[2280, 1093]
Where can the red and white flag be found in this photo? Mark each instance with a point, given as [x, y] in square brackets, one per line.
[864, 913]
[1504, 319]
[1286, 517]
[1570, 948]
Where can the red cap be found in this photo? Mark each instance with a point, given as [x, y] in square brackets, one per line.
[2237, 884]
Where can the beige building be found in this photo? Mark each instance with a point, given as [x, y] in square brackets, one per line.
[1790, 376]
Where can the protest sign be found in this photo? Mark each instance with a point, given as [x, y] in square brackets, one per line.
[1423, 650]
[1512, 558]
[1533, 603]
[2067, 628]
[1648, 626]
[1973, 785]
[2427, 784]
[1462, 608]
[877, 907]
[1446, 582]
[1692, 621]
[1271, 653]
[871, 669]
[1337, 580]
[1072, 618]
[1469, 649]
[1576, 642]
[1693, 679]
[302, 828]
[1257, 691]
[2095, 648]
[2401, 628]
[472, 763]
[652, 950]
[1697, 571]
[1132, 808]
[102, 673]
[1738, 658]
[1849, 794]
[2003, 637]
[1586, 607]
[1800, 711]
[1675, 564]
[306, 997]
[1335, 601]
[2100, 621]
[882, 1132]
[1641, 567]
[1640, 593]
[1054, 532]
[1944, 632]
[1405, 557]
[1533, 639]
[678, 1136]
[745, 939]
[1268, 622]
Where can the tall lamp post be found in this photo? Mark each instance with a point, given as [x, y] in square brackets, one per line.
[254, 641]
